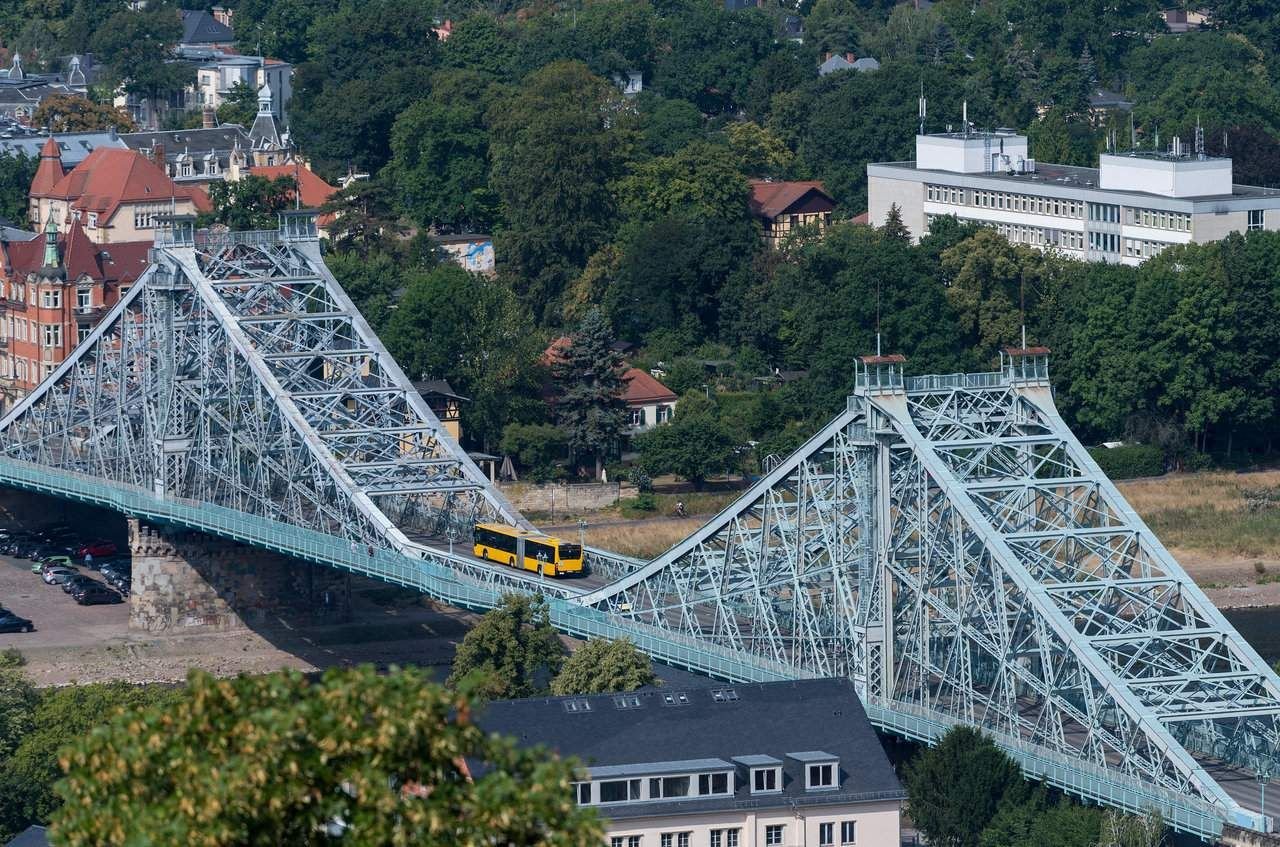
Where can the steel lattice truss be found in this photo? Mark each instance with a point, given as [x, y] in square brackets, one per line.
[945, 541]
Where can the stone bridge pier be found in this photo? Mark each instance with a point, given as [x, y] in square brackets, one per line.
[190, 582]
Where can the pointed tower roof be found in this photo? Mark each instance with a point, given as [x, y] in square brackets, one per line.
[15, 70]
[263, 134]
[75, 75]
[52, 267]
[49, 172]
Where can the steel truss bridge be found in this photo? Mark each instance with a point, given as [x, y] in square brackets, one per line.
[944, 541]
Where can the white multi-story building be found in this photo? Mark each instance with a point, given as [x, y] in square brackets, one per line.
[1128, 209]
[782, 764]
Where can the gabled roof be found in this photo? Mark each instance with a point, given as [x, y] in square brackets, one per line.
[73, 147]
[770, 199]
[200, 27]
[197, 141]
[120, 263]
[314, 191]
[108, 177]
[642, 389]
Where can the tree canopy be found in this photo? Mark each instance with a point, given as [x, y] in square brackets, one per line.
[512, 652]
[604, 667]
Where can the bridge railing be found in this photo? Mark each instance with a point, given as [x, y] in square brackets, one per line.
[1073, 775]
[945, 382]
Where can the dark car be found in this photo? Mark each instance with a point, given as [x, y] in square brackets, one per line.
[95, 593]
[73, 583]
[123, 584]
[9, 622]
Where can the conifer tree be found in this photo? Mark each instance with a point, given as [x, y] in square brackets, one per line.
[588, 372]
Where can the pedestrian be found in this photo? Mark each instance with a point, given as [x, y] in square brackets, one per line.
[88, 560]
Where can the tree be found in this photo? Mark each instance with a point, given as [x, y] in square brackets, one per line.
[18, 699]
[472, 331]
[700, 181]
[666, 126]
[988, 278]
[604, 667]
[16, 173]
[536, 447]
[760, 152]
[136, 44]
[73, 113]
[553, 151]
[511, 652]
[694, 445]
[240, 106]
[588, 375]
[364, 218]
[251, 202]
[378, 758]
[955, 789]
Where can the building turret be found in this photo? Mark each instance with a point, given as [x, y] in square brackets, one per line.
[52, 268]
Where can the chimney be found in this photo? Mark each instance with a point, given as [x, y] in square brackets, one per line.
[826, 56]
[157, 156]
[850, 58]
[210, 119]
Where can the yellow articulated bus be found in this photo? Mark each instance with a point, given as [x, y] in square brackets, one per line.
[543, 554]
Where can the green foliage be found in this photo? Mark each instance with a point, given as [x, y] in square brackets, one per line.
[73, 113]
[251, 202]
[512, 652]
[135, 46]
[642, 505]
[18, 700]
[700, 181]
[955, 789]
[535, 447]
[364, 220]
[694, 445]
[603, 667]
[239, 105]
[1129, 461]
[470, 330]
[16, 173]
[381, 753]
[11, 657]
[553, 153]
[588, 376]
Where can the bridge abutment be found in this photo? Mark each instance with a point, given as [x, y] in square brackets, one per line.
[190, 582]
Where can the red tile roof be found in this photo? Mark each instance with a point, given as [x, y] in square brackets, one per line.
[642, 389]
[770, 199]
[121, 263]
[315, 191]
[49, 171]
[110, 176]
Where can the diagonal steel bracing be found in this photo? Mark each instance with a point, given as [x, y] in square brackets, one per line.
[944, 541]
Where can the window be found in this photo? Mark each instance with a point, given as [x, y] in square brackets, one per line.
[637, 417]
[764, 779]
[848, 832]
[82, 332]
[583, 792]
[773, 834]
[667, 839]
[619, 791]
[618, 841]
[826, 834]
[1255, 220]
[48, 369]
[731, 838]
[668, 786]
[664, 414]
[84, 299]
[633, 840]
[822, 776]
[51, 298]
[713, 783]
[52, 335]
[93, 220]
[682, 839]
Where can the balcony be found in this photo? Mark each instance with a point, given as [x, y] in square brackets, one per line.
[9, 304]
[89, 314]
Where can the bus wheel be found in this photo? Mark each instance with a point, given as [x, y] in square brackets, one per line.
[484, 554]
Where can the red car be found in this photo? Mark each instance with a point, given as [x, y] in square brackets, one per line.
[97, 548]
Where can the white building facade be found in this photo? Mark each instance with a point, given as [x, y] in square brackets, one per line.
[1130, 208]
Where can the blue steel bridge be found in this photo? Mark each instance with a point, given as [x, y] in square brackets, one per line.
[944, 541]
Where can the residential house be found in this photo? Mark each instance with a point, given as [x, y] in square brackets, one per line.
[313, 192]
[1102, 102]
[203, 29]
[649, 402]
[21, 93]
[220, 73]
[785, 207]
[1184, 20]
[116, 195]
[53, 291]
[629, 83]
[750, 765]
[444, 402]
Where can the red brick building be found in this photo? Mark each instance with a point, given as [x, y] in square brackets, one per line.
[53, 290]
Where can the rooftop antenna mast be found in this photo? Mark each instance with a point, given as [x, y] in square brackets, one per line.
[878, 316]
[1133, 134]
[1199, 139]
[1022, 308]
[964, 117]
[923, 107]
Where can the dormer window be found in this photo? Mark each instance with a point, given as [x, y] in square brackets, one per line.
[821, 770]
[765, 780]
[821, 776]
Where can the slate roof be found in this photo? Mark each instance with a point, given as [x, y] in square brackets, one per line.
[32, 836]
[770, 719]
[642, 389]
[770, 199]
[220, 139]
[200, 27]
[73, 147]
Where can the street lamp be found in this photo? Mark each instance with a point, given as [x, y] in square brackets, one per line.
[453, 536]
[582, 533]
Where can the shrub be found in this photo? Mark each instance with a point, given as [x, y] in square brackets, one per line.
[1129, 461]
[642, 502]
[641, 480]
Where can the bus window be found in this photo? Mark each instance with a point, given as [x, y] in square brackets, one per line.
[570, 551]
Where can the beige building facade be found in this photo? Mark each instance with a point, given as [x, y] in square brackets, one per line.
[1130, 208]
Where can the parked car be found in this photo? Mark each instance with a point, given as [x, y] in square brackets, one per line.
[123, 584]
[57, 576]
[95, 593]
[74, 582]
[96, 549]
[58, 561]
[9, 622]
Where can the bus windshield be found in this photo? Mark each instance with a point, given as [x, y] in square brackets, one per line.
[570, 551]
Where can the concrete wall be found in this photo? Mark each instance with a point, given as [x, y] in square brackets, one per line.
[877, 825]
[908, 195]
[185, 582]
[1211, 227]
[557, 498]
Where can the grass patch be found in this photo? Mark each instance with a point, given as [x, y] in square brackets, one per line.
[642, 540]
[1210, 513]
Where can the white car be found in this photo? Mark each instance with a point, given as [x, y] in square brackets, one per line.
[58, 575]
